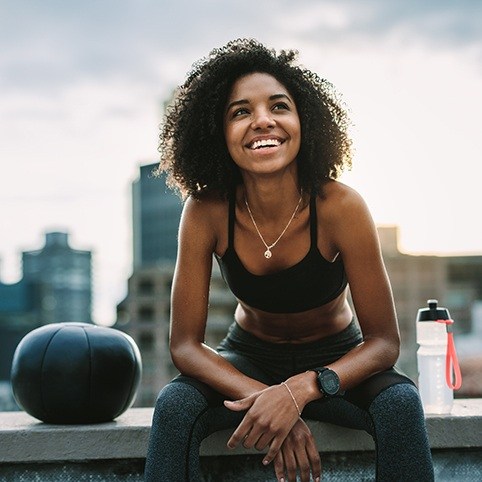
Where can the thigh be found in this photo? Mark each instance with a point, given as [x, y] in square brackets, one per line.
[351, 410]
[241, 363]
[248, 366]
[339, 411]
[363, 394]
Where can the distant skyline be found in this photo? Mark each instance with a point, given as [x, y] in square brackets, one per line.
[82, 86]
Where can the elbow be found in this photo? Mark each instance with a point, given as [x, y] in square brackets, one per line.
[386, 350]
[392, 351]
[182, 356]
[177, 354]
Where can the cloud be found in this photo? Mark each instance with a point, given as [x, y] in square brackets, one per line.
[82, 84]
[46, 45]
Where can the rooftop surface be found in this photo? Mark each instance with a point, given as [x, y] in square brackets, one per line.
[29, 447]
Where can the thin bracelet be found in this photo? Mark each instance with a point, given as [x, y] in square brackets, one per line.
[292, 396]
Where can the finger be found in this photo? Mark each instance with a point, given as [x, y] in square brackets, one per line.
[303, 464]
[239, 434]
[279, 467]
[263, 441]
[273, 449]
[290, 464]
[252, 438]
[315, 461]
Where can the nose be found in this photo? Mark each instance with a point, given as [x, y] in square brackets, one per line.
[262, 119]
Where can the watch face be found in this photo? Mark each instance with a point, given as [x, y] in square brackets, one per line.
[330, 382]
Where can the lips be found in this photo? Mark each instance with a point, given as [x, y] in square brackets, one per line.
[260, 143]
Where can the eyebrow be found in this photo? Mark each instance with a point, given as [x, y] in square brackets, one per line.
[245, 101]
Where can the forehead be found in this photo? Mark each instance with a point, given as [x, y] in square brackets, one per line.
[256, 84]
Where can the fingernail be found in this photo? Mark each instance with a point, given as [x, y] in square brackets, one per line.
[317, 479]
[282, 479]
[265, 462]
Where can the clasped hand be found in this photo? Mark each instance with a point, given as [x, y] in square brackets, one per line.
[272, 421]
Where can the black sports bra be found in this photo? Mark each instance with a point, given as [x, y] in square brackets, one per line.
[308, 284]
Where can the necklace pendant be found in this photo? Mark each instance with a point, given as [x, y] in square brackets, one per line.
[267, 254]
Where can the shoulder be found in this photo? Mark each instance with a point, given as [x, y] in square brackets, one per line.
[208, 206]
[340, 202]
[203, 218]
[345, 215]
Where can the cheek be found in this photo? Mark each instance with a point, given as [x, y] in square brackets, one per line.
[232, 138]
[229, 142]
[298, 136]
[296, 131]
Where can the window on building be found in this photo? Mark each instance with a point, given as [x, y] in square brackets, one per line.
[146, 313]
[145, 287]
[146, 342]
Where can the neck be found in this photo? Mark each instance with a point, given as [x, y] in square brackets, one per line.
[271, 199]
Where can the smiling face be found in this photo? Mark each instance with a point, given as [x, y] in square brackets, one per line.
[261, 125]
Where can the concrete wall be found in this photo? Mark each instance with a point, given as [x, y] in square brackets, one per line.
[33, 451]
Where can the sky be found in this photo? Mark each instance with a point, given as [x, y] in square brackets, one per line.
[82, 85]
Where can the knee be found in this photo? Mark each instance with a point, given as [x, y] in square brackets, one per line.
[401, 400]
[177, 402]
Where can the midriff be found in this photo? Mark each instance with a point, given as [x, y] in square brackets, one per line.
[303, 327]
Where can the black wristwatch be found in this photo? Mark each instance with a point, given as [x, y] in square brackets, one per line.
[328, 382]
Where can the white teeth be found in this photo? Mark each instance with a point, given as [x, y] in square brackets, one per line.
[265, 143]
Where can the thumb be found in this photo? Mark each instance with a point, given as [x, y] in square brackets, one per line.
[237, 405]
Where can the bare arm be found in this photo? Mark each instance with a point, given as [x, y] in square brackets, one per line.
[355, 237]
[189, 305]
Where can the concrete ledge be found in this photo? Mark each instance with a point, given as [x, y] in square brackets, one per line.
[24, 439]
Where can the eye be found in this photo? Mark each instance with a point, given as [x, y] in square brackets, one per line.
[280, 106]
[240, 111]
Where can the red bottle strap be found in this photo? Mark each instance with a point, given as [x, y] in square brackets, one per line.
[451, 361]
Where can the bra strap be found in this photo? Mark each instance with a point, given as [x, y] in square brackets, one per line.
[313, 222]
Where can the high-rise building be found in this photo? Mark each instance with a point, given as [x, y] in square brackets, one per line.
[155, 218]
[62, 277]
[17, 318]
[55, 287]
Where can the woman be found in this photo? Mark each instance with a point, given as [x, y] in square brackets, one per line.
[256, 143]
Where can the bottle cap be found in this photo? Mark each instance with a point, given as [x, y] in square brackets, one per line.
[433, 312]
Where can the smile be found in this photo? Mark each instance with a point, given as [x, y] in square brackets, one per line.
[262, 143]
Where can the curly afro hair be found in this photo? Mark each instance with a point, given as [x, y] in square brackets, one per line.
[192, 145]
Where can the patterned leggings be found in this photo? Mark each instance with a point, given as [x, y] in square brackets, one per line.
[387, 406]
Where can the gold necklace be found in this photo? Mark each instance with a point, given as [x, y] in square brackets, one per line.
[267, 253]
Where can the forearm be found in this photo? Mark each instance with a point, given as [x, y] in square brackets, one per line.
[371, 357]
[201, 362]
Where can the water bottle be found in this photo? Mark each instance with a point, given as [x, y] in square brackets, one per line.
[436, 359]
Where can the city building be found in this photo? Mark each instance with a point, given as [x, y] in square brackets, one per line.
[62, 277]
[155, 218]
[17, 318]
[55, 287]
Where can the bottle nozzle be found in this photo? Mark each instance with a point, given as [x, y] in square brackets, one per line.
[433, 312]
